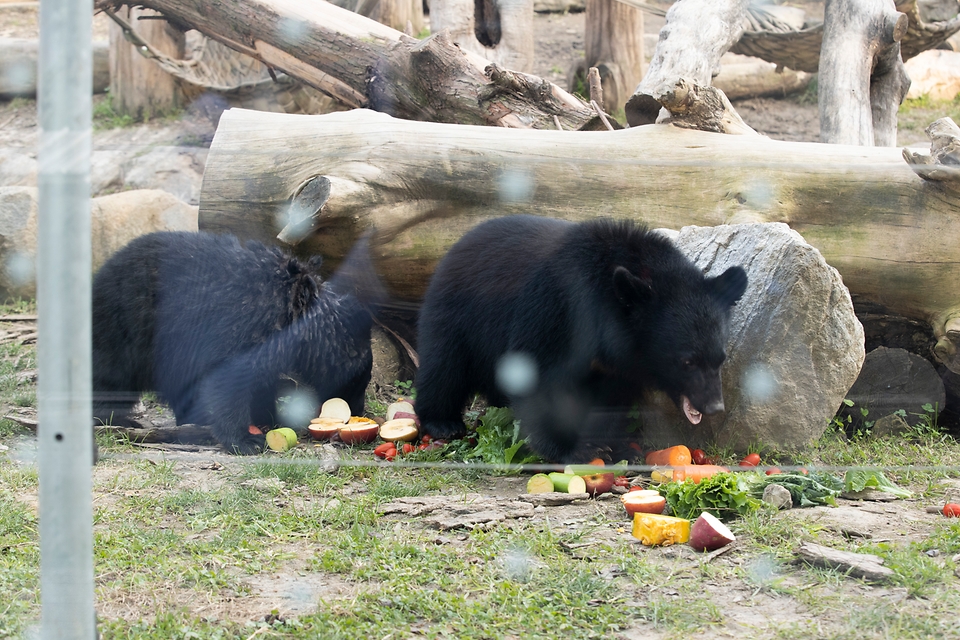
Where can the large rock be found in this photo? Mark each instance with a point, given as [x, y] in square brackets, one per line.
[892, 380]
[934, 73]
[115, 220]
[795, 345]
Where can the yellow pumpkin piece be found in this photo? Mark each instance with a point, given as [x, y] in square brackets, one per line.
[653, 529]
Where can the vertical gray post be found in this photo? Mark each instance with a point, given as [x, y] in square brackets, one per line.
[63, 299]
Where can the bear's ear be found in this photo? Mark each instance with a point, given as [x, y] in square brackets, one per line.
[629, 288]
[729, 286]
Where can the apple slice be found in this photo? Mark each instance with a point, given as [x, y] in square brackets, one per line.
[400, 407]
[282, 439]
[709, 534]
[643, 501]
[335, 408]
[399, 429]
[324, 428]
[598, 483]
[359, 430]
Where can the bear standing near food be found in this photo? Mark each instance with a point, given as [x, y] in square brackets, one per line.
[219, 330]
[570, 323]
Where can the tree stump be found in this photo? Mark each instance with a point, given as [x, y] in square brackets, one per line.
[499, 30]
[862, 79]
[613, 44]
[138, 87]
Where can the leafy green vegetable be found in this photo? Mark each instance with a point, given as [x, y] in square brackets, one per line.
[860, 479]
[806, 491]
[723, 495]
[498, 441]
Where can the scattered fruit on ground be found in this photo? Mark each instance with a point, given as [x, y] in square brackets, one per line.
[621, 481]
[772, 471]
[698, 456]
[694, 472]
[597, 483]
[400, 409]
[654, 529]
[324, 428]
[381, 450]
[399, 429]
[709, 534]
[671, 456]
[539, 483]
[568, 483]
[362, 430]
[282, 439]
[951, 510]
[643, 501]
[335, 408]
[751, 460]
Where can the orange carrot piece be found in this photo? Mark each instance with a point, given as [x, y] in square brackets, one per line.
[675, 456]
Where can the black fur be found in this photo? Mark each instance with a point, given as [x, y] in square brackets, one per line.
[605, 309]
[214, 327]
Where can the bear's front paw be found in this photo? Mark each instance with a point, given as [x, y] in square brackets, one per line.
[249, 445]
[444, 429]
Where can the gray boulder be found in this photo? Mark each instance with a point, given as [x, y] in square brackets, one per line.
[795, 347]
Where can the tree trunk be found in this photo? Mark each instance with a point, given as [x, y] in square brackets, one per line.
[862, 79]
[696, 34]
[402, 15]
[499, 30]
[613, 44]
[323, 180]
[362, 63]
[138, 87]
[18, 67]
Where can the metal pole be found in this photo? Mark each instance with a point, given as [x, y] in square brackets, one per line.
[63, 297]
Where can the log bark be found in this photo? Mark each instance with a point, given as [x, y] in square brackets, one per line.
[862, 78]
[138, 87]
[18, 67]
[857, 565]
[887, 230]
[362, 63]
[613, 43]
[499, 30]
[696, 34]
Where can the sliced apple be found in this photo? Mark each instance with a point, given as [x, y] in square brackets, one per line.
[335, 408]
[399, 429]
[709, 534]
[324, 428]
[598, 483]
[402, 407]
[282, 439]
[359, 430]
[643, 501]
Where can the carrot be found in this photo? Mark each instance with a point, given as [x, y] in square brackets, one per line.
[672, 456]
[695, 472]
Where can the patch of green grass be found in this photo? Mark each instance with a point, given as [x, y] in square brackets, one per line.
[915, 115]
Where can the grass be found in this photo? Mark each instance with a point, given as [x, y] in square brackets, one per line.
[915, 115]
[173, 554]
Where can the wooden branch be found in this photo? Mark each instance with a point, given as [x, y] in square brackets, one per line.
[687, 50]
[862, 80]
[422, 185]
[366, 64]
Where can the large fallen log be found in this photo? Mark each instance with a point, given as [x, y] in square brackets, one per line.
[363, 63]
[319, 181]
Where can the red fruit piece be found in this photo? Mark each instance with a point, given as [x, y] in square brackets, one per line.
[408, 448]
[621, 481]
[381, 450]
[772, 471]
[699, 456]
[255, 430]
[751, 460]
[951, 510]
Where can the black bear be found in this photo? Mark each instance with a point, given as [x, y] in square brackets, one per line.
[569, 323]
[219, 330]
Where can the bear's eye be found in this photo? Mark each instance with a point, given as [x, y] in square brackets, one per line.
[687, 363]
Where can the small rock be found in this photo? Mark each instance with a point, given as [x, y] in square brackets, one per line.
[890, 425]
[777, 496]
